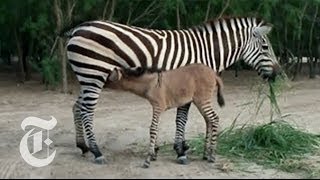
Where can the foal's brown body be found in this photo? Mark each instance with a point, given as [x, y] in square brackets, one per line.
[169, 89]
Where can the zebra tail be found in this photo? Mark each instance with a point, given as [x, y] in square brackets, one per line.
[220, 97]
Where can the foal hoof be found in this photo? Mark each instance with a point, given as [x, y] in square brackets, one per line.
[182, 160]
[100, 160]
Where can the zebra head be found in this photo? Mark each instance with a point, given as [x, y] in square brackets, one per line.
[259, 53]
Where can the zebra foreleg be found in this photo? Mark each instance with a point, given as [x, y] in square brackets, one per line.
[180, 146]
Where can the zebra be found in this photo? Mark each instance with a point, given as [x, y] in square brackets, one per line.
[96, 47]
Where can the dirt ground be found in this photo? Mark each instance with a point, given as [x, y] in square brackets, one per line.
[121, 127]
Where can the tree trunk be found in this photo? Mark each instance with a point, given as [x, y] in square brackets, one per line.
[105, 10]
[20, 70]
[311, 59]
[61, 53]
[299, 51]
[26, 51]
[113, 5]
[64, 66]
[178, 15]
[26, 67]
[318, 56]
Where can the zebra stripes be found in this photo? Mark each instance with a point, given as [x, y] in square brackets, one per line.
[96, 47]
[212, 123]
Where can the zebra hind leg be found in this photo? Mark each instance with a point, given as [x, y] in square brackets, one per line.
[80, 141]
[88, 104]
[180, 145]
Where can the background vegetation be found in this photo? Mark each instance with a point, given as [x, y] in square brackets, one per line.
[29, 44]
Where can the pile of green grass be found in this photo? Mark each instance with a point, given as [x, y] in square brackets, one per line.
[271, 144]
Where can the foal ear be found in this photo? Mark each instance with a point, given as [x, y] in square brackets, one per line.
[115, 75]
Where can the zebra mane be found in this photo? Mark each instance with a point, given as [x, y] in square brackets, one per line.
[259, 20]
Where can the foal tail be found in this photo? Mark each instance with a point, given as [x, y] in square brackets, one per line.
[219, 93]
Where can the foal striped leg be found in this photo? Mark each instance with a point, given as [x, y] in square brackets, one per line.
[212, 128]
[212, 121]
[180, 145]
[153, 136]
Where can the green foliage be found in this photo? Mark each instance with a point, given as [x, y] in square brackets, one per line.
[274, 144]
[51, 72]
[276, 87]
[270, 91]
[34, 27]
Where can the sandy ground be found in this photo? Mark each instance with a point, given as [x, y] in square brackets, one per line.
[121, 127]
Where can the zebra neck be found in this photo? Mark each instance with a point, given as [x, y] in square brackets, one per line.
[215, 44]
[228, 39]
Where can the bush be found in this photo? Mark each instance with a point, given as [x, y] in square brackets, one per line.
[50, 70]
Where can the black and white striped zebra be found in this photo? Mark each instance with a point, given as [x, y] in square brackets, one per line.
[96, 47]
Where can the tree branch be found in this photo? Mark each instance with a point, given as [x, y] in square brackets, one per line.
[311, 30]
[129, 15]
[178, 14]
[70, 11]
[146, 11]
[208, 11]
[224, 9]
[105, 10]
[154, 20]
[54, 46]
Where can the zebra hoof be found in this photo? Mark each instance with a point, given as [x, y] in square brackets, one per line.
[154, 158]
[182, 160]
[146, 165]
[211, 159]
[83, 148]
[100, 160]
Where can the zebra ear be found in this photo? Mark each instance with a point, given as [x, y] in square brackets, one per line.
[115, 75]
[262, 30]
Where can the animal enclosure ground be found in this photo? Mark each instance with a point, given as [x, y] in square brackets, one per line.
[122, 123]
